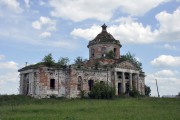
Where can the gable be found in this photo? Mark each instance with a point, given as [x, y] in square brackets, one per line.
[126, 65]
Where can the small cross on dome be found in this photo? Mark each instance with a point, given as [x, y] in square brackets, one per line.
[104, 27]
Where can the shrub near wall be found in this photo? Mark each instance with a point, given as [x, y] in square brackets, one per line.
[102, 91]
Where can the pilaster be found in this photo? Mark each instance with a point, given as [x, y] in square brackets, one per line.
[130, 80]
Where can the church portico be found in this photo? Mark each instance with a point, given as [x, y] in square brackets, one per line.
[126, 80]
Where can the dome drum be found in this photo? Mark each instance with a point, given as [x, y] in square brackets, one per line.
[104, 45]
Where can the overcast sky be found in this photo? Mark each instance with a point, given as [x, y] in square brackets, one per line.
[30, 29]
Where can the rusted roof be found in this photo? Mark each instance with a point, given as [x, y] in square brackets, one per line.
[39, 65]
[104, 37]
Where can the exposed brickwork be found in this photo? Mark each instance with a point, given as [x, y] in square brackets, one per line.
[96, 51]
[42, 81]
[43, 78]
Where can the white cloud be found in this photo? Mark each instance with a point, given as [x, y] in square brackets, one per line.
[170, 47]
[27, 2]
[128, 19]
[167, 73]
[131, 31]
[9, 82]
[166, 60]
[127, 33]
[41, 2]
[47, 23]
[169, 25]
[168, 85]
[29, 37]
[45, 34]
[12, 5]
[9, 77]
[79, 10]
[8, 65]
[36, 25]
[2, 57]
[9, 88]
[82, 9]
[87, 34]
[139, 7]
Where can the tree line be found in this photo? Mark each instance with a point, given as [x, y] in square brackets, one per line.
[48, 60]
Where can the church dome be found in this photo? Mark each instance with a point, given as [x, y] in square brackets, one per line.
[104, 38]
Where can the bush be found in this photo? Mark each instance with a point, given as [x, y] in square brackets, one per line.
[102, 91]
[48, 60]
[147, 90]
[53, 96]
[110, 55]
[134, 93]
[82, 94]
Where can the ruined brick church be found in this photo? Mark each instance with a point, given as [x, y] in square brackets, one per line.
[104, 65]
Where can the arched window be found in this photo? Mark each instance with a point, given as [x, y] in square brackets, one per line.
[103, 49]
[80, 84]
[92, 52]
[115, 52]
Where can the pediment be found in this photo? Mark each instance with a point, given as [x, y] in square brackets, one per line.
[126, 65]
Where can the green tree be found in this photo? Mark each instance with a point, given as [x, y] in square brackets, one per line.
[63, 61]
[96, 64]
[147, 90]
[131, 57]
[78, 60]
[110, 55]
[48, 60]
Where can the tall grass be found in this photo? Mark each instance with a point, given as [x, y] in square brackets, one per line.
[25, 108]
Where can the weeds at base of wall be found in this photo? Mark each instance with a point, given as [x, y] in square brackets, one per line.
[102, 91]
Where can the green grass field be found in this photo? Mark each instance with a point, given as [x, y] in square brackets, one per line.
[25, 108]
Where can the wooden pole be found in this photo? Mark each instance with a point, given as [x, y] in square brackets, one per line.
[107, 76]
[58, 78]
[157, 88]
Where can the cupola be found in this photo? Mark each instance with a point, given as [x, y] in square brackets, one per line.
[103, 44]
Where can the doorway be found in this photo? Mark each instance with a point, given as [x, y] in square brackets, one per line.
[127, 87]
[90, 83]
[119, 88]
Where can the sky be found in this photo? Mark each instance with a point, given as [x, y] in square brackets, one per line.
[150, 29]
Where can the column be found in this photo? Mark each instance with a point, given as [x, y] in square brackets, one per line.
[115, 76]
[115, 82]
[143, 89]
[130, 81]
[123, 83]
[138, 86]
[21, 85]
